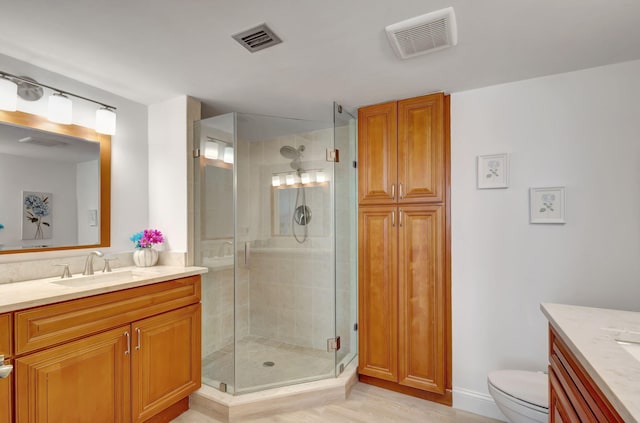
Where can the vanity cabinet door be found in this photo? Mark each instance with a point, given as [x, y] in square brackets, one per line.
[166, 360]
[6, 404]
[82, 381]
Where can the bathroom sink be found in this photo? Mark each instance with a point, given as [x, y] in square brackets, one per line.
[630, 342]
[633, 349]
[96, 279]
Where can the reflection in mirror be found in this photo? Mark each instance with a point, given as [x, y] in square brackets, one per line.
[218, 204]
[54, 185]
[284, 200]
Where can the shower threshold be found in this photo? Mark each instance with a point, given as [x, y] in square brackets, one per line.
[234, 408]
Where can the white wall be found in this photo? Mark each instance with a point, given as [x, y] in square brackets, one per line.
[18, 174]
[579, 130]
[88, 200]
[129, 161]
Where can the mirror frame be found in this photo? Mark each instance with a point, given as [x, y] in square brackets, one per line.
[38, 122]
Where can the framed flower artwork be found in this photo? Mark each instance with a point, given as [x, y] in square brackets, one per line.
[493, 171]
[37, 211]
[546, 205]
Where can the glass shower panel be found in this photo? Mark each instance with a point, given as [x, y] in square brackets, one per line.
[284, 231]
[214, 246]
[346, 235]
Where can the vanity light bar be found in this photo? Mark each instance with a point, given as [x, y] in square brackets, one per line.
[105, 116]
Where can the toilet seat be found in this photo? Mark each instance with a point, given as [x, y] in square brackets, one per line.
[528, 388]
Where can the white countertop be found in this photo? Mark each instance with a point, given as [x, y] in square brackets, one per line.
[590, 334]
[20, 295]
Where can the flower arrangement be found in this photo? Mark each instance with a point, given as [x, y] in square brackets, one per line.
[147, 238]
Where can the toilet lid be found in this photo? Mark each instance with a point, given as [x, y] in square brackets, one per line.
[531, 387]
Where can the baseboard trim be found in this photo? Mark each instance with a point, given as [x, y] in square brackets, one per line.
[476, 402]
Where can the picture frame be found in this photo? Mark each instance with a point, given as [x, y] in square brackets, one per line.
[493, 171]
[547, 205]
[37, 211]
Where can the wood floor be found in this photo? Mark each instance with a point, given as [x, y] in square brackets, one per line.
[366, 404]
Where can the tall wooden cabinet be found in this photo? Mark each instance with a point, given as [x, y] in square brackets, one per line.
[404, 260]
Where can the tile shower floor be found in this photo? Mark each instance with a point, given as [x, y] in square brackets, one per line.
[291, 364]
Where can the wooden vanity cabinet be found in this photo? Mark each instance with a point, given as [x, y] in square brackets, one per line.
[126, 356]
[403, 255]
[6, 384]
[573, 396]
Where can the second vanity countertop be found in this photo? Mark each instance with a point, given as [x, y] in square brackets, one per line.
[591, 334]
[26, 294]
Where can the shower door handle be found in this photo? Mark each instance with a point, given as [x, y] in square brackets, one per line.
[247, 254]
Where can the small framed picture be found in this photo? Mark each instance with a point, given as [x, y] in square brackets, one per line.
[493, 171]
[546, 205]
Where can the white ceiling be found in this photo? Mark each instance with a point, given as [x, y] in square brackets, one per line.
[153, 50]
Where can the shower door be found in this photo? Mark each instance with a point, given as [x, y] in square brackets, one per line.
[285, 250]
[346, 217]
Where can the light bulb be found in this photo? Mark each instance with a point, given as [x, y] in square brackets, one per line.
[290, 180]
[106, 121]
[212, 150]
[8, 95]
[59, 108]
[275, 180]
[320, 176]
[305, 178]
[228, 155]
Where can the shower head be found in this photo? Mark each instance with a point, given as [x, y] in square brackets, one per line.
[292, 153]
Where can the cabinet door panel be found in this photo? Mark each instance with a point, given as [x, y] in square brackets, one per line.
[6, 403]
[560, 408]
[377, 292]
[166, 360]
[421, 152]
[421, 293]
[85, 380]
[5, 334]
[377, 153]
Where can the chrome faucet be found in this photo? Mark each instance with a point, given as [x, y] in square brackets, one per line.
[88, 264]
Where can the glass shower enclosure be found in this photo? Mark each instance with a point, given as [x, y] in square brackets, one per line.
[275, 224]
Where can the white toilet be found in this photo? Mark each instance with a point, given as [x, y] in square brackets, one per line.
[522, 396]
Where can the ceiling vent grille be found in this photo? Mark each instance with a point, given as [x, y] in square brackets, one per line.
[258, 38]
[423, 34]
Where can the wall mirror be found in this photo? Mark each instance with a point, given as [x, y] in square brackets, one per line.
[285, 200]
[55, 185]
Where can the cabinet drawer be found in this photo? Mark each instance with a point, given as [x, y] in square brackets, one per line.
[5, 335]
[49, 325]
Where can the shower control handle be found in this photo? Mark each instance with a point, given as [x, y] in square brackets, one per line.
[393, 191]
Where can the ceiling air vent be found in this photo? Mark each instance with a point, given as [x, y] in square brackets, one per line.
[423, 34]
[257, 38]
